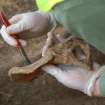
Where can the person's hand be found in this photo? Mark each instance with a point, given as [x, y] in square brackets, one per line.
[32, 21]
[69, 75]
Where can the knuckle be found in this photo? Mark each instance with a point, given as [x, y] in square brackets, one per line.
[14, 16]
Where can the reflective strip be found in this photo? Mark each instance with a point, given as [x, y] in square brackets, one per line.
[47, 5]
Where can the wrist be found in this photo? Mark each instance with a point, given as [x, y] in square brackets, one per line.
[50, 18]
[52, 21]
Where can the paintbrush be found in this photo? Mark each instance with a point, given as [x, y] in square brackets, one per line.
[20, 48]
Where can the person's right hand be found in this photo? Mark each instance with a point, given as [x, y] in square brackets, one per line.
[32, 21]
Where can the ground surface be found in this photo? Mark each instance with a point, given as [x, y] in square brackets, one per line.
[42, 91]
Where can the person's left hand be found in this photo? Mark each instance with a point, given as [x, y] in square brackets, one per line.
[71, 76]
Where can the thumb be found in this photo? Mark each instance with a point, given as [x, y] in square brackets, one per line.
[58, 73]
[52, 70]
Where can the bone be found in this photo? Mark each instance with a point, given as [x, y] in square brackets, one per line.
[59, 53]
[16, 73]
[48, 43]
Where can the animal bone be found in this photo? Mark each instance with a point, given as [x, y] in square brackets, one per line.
[62, 53]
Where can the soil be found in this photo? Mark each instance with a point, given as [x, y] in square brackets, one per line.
[42, 91]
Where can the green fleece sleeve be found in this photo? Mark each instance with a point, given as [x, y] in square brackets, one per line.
[84, 19]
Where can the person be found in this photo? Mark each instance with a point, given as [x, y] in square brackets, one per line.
[81, 18]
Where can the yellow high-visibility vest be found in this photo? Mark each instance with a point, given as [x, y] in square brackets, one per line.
[47, 5]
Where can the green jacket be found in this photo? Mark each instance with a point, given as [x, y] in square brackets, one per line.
[84, 19]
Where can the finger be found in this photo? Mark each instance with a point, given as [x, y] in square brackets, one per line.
[15, 19]
[7, 38]
[52, 70]
[16, 28]
[23, 42]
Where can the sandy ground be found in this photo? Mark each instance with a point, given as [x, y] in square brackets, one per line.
[42, 91]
